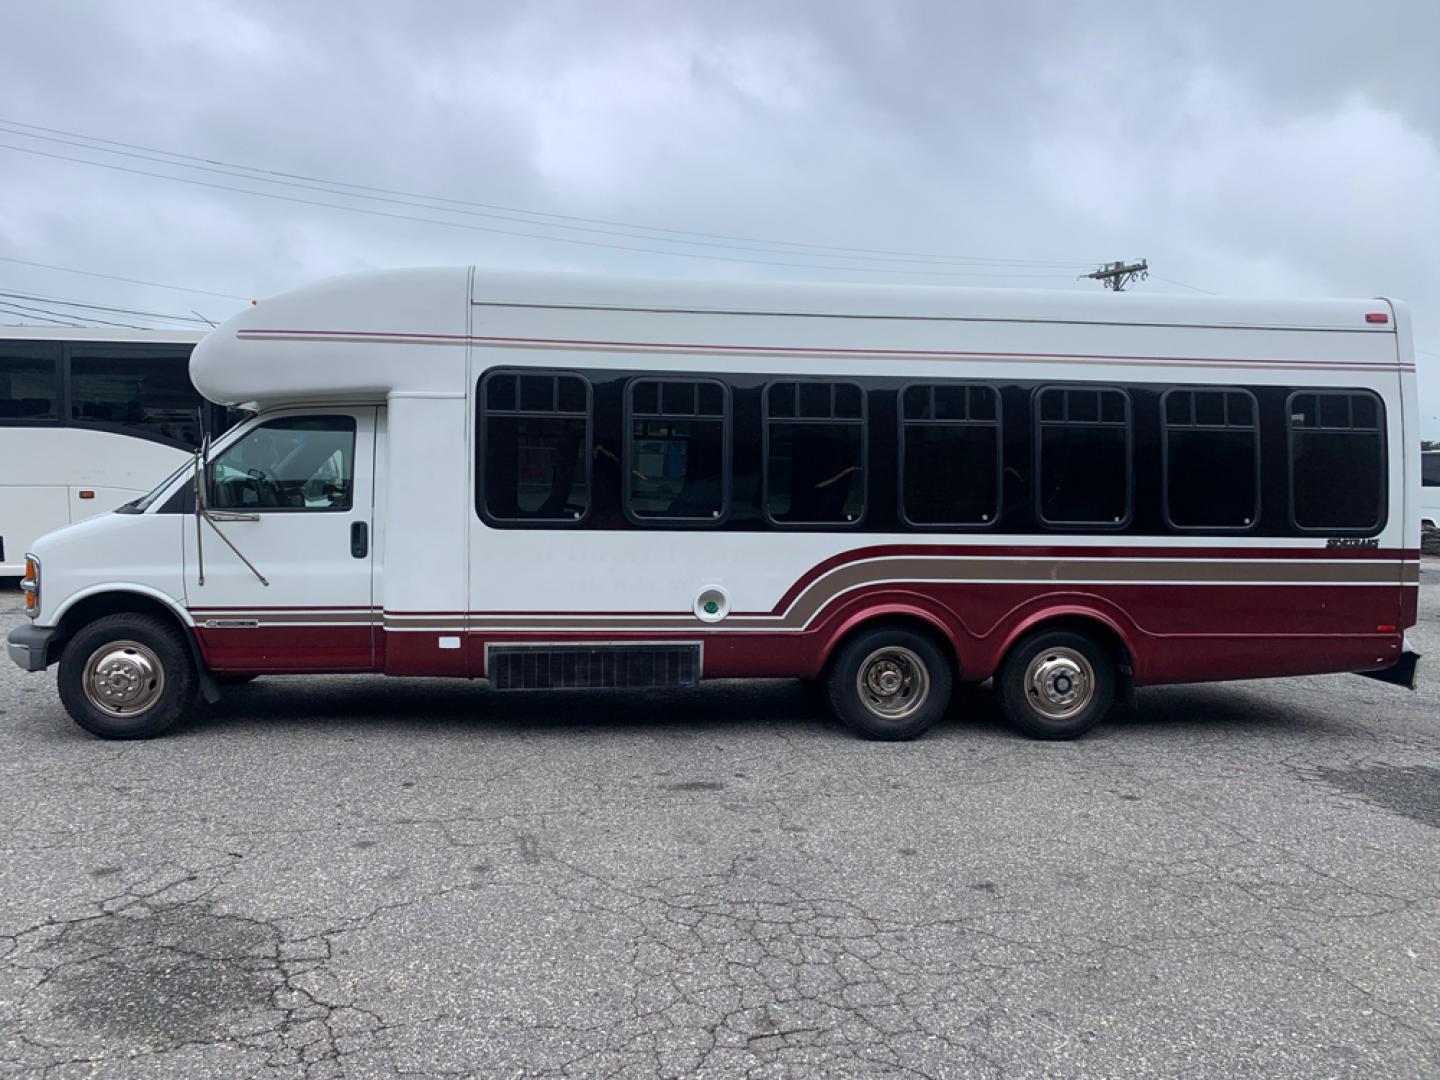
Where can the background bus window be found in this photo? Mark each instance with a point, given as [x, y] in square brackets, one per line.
[29, 385]
[676, 464]
[1083, 452]
[1337, 460]
[814, 453]
[1212, 459]
[1430, 468]
[536, 445]
[146, 395]
[950, 455]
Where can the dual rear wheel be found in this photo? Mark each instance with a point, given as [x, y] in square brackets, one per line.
[892, 682]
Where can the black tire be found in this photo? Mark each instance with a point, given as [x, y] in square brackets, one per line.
[1023, 679]
[230, 679]
[914, 659]
[160, 646]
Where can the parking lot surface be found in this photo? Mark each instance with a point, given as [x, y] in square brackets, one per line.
[332, 877]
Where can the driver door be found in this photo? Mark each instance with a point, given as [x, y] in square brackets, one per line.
[295, 495]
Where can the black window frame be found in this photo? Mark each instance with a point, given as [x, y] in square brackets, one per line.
[1036, 435]
[39, 349]
[766, 420]
[482, 444]
[727, 448]
[1381, 429]
[903, 422]
[350, 504]
[1165, 427]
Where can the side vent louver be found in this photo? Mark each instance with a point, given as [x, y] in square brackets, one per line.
[595, 667]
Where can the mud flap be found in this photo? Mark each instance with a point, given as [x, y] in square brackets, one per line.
[1401, 673]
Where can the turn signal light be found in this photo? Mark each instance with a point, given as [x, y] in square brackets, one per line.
[30, 585]
[86, 493]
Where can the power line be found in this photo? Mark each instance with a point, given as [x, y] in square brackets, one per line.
[328, 186]
[128, 281]
[369, 211]
[4, 309]
[1182, 284]
[42, 312]
[101, 307]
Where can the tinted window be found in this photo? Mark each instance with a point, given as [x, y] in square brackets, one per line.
[1212, 459]
[814, 453]
[1337, 460]
[678, 450]
[950, 455]
[29, 385]
[294, 463]
[536, 446]
[1083, 452]
[1430, 469]
[146, 395]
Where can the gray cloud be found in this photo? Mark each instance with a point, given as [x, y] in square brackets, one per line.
[1257, 149]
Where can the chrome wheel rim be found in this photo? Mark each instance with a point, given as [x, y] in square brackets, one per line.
[893, 682]
[123, 678]
[1059, 683]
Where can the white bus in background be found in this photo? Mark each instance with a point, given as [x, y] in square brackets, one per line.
[1430, 489]
[90, 419]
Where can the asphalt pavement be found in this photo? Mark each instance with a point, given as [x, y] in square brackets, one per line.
[354, 877]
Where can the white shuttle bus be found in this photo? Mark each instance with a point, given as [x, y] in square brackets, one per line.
[555, 482]
[90, 419]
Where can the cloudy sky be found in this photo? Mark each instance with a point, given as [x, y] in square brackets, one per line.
[1284, 148]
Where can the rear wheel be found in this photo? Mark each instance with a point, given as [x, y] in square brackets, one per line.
[1056, 684]
[890, 683]
[127, 676]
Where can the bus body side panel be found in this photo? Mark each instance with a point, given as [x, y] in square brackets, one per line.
[426, 539]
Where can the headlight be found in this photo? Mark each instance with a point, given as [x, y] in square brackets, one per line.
[30, 586]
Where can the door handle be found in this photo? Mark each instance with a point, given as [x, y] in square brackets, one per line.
[359, 540]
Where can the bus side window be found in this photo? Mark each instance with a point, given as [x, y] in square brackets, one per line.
[30, 383]
[1337, 460]
[677, 451]
[1082, 452]
[1430, 468]
[143, 394]
[814, 467]
[949, 454]
[1210, 442]
[535, 446]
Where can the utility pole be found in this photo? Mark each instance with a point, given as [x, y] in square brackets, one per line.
[1117, 275]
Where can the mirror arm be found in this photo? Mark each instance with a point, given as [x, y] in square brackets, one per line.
[202, 512]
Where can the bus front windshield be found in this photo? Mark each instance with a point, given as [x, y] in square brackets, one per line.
[140, 505]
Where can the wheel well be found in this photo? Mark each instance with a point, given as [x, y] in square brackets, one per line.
[1095, 629]
[98, 606]
[912, 623]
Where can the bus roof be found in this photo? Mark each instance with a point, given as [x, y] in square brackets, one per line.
[311, 343]
[940, 302]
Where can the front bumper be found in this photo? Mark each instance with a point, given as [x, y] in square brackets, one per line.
[29, 646]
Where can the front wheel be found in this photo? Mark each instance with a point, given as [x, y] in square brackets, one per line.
[1056, 684]
[127, 676]
[890, 683]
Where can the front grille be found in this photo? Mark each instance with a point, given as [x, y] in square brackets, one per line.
[592, 667]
